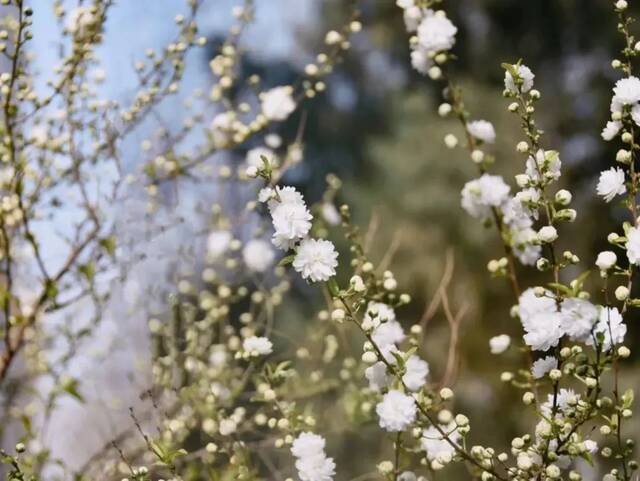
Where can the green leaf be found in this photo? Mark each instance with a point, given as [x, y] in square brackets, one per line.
[109, 245]
[286, 260]
[70, 386]
[627, 399]
[332, 284]
[88, 270]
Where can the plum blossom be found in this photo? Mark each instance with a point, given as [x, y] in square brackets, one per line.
[542, 366]
[525, 74]
[499, 344]
[611, 183]
[482, 130]
[258, 255]
[278, 103]
[396, 411]
[633, 245]
[416, 373]
[316, 260]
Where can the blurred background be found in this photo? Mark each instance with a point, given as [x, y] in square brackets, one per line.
[377, 129]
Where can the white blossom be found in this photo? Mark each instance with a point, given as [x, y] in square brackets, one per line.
[291, 222]
[258, 255]
[278, 103]
[499, 344]
[218, 242]
[416, 373]
[627, 91]
[611, 326]
[540, 320]
[525, 74]
[222, 129]
[254, 157]
[316, 260]
[388, 333]
[396, 411]
[482, 130]
[421, 61]
[436, 33]
[611, 130]
[377, 376]
[479, 195]
[611, 183]
[578, 317]
[312, 462]
[435, 444]
[606, 260]
[542, 366]
[633, 245]
[377, 313]
[257, 345]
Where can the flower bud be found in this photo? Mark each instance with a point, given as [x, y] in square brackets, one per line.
[606, 260]
[563, 197]
[623, 156]
[451, 141]
[624, 352]
[548, 234]
[477, 156]
[622, 293]
[522, 147]
[444, 109]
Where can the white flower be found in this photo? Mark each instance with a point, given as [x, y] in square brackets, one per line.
[278, 103]
[377, 313]
[524, 246]
[479, 195]
[388, 334]
[286, 195]
[316, 468]
[412, 17]
[436, 33]
[316, 260]
[548, 234]
[377, 376]
[312, 463]
[218, 243]
[80, 20]
[564, 399]
[525, 74]
[222, 129]
[258, 255]
[633, 245]
[606, 260]
[611, 326]
[611, 183]
[396, 411]
[611, 130]
[540, 319]
[307, 444]
[544, 167]
[482, 130]
[266, 194]
[635, 114]
[627, 91]
[417, 372]
[420, 60]
[578, 317]
[435, 444]
[291, 222]
[257, 346]
[515, 215]
[254, 157]
[405, 3]
[499, 344]
[330, 214]
[542, 366]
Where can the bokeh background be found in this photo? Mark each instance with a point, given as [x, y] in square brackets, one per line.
[377, 128]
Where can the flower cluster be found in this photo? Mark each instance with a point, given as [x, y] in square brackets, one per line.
[311, 461]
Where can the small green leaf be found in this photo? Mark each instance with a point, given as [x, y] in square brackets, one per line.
[285, 261]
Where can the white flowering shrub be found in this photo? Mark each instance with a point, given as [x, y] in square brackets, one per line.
[234, 392]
